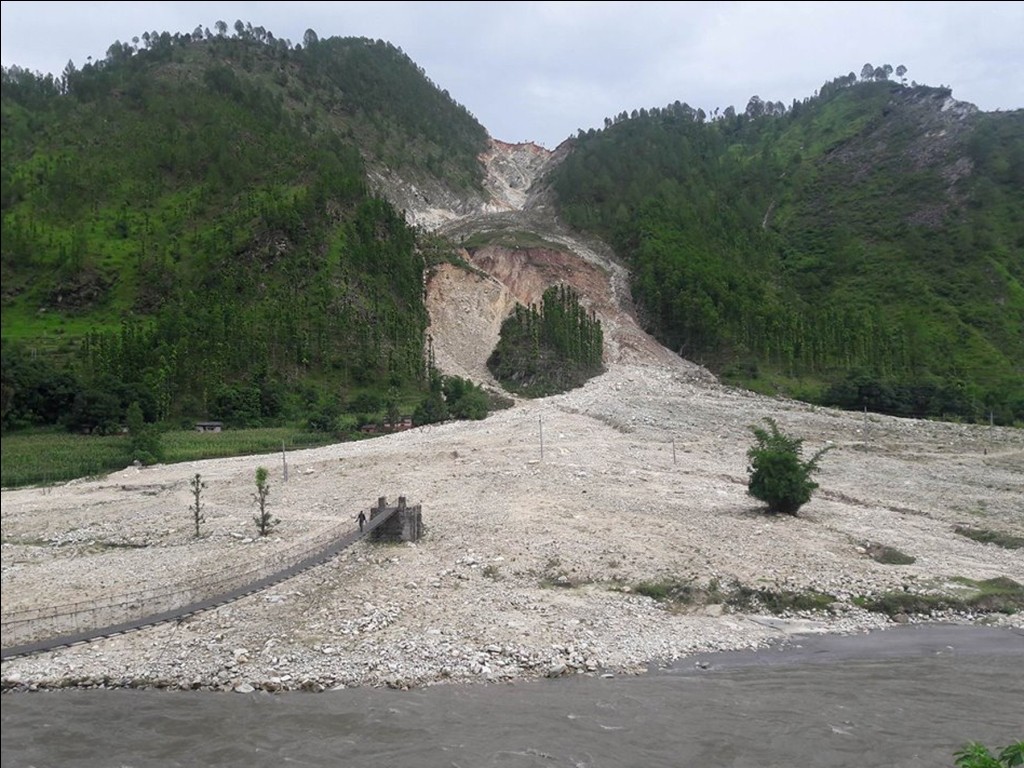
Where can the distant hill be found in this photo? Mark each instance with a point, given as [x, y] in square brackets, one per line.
[862, 248]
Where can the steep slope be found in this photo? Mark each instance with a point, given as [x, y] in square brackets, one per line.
[517, 248]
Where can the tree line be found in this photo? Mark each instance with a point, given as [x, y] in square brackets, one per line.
[548, 349]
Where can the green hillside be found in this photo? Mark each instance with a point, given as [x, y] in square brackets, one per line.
[187, 225]
[863, 248]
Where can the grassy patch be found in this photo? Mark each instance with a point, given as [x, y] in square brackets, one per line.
[880, 553]
[893, 603]
[53, 457]
[515, 240]
[102, 545]
[40, 458]
[499, 402]
[779, 601]
[682, 593]
[555, 575]
[986, 536]
[189, 445]
[998, 595]
[28, 541]
[736, 596]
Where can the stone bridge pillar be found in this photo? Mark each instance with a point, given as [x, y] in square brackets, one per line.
[404, 524]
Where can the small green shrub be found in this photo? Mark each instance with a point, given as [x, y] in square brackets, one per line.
[676, 592]
[888, 555]
[265, 521]
[977, 755]
[984, 536]
[778, 475]
[492, 572]
[778, 601]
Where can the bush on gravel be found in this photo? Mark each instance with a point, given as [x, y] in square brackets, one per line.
[778, 475]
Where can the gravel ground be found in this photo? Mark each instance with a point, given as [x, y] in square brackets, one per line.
[529, 563]
[541, 522]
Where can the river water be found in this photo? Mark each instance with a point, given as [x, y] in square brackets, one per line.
[904, 697]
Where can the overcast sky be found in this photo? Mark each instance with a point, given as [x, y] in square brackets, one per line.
[538, 71]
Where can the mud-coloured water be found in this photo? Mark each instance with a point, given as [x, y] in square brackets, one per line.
[905, 697]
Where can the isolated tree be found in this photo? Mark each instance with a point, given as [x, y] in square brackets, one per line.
[265, 522]
[197, 485]
[433, 408]
[393, 414]
[778, 475]
[901, 72]
[867, 72]
[67, 76]
[144, 440]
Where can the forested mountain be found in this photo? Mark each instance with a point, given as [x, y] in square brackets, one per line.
[863, 248]
[187, 224]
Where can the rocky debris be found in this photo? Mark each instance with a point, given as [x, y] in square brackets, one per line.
[511, 170]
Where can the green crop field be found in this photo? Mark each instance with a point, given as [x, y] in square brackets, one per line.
[40, 458]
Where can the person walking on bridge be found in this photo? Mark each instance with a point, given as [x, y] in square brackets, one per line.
[362, 520]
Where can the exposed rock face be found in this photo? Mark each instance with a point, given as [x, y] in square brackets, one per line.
[511, 172]
[467, 309]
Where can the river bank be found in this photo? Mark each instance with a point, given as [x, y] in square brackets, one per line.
[907, 697]
[536, 561]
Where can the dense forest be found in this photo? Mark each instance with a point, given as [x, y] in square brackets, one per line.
[550, 349]
[187, 226]
[861, 248]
